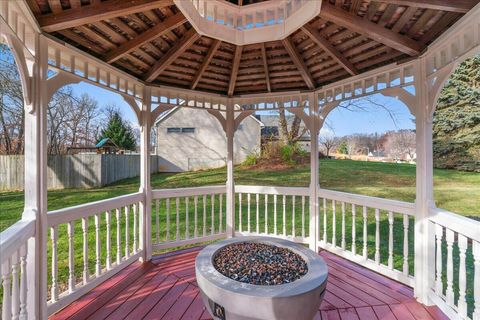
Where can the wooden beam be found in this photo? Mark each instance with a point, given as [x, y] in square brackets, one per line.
[370, 29]
[98, 11]
[265, 67]
[461, 6]
[174, 52]
[235, 65]
[299, 63]
[329, 49]
[147, 36]
[211, 52]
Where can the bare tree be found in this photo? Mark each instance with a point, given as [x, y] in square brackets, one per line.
[328, 140]
[291, 129]
[400, 145]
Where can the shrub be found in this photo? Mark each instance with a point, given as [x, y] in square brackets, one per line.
[251, 159]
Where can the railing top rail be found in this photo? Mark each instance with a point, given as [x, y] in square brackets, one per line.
[468, 227]
[192, 191]
[290, 191]
[84, 210]
[372, 202]
[14, 237]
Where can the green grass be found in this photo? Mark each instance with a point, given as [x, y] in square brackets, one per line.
[455, 191]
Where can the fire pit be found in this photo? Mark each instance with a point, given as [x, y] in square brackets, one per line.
[260, 278]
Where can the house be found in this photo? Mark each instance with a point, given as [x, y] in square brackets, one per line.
[190, 139]
[272, 132]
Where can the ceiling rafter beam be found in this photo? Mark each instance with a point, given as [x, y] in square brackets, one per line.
[157, 31]
[235, 66]
[173, 53]
[323, 43]
[265, 67]
[460, 6]
[373, 31]
[71, 18]
[299, 63]
[211, 52]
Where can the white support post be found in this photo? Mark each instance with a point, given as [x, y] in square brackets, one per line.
[230, 131]
[145, 186]
[36, 185]
[424, 233]
[314, 179]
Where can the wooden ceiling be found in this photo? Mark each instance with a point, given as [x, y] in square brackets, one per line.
[152, 40]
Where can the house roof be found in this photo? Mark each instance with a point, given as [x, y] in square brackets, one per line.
[153, 41]
[169, 113]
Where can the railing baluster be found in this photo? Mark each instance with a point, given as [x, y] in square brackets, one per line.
[257, 229]
[438, 259]
[303, 216]
[220, 227]
[6, 303]
[354, 230]
[275, 214]
[212, 222]
[476, 275]
[167, 205]
[177, 219]
[365, 234]
[462, 276]
[293, 216]
[85, 274]
[108, 242]
[390, 240]
[405, 244]
[157, 222]
[187, 235]
[23, 282]
[266, 213]
[324, 220]
[54, 289]
[334, 223]
[98, 266]
[204, 215]
[284, 228]
[127, 240]
[195, 218]
[449, 293]
[135, 228]
[15, 287]
[240, 212]
[119, 236]
[343, 244]
[71, 273]
[377, 236]
[248, 212]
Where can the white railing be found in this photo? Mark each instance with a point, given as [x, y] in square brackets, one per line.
[275, 211]
[72, 274]
[457, 265]
[371, 231]
[13, 248]
[187, 216]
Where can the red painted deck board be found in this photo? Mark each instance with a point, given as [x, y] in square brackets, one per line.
[165, 288]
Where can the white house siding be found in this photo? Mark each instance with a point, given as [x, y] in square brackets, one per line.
[207, 146]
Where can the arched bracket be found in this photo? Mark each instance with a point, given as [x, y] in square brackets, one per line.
[242, 116]
[325, 111]
[134, 104]
[306, 118]
[161, 108]
[237, 121]
[217, 114]
[26, 72]
[59, 80]
[435, 86]
[406, 97]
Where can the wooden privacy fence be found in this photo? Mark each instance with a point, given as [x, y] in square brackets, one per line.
[75, 171]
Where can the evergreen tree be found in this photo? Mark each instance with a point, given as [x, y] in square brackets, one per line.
[456, 126]
[119, 132]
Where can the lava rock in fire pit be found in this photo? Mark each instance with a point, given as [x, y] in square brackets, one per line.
[259, 263]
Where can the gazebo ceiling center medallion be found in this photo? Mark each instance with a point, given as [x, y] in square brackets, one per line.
[255, 23]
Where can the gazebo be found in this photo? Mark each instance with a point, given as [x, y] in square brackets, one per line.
[233, 58]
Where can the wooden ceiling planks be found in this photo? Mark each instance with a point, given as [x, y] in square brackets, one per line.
[151, 39]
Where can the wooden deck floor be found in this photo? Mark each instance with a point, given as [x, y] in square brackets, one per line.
[166, 289]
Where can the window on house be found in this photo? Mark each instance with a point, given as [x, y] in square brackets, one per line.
[188, 130]
[174, 130]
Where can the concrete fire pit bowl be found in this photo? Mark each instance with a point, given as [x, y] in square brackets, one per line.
[228, 299]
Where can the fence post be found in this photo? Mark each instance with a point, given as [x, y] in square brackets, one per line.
[145, 185]
[314, 179]
[230, 131]
[36, 184]
[424, 237]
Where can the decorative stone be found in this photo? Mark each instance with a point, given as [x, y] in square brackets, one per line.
[260, 278]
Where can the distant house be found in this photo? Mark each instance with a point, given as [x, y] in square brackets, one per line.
[272, 132]
[189, 139]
